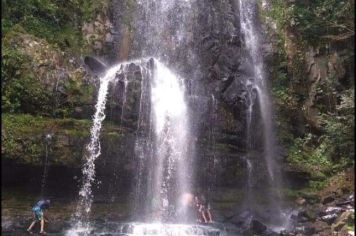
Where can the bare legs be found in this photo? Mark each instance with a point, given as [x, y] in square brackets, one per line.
[207, 216]
[42, 226]
[33, 224]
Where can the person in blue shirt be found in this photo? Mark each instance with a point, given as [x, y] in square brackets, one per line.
[38, 214]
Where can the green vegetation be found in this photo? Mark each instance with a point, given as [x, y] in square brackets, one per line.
[325, 27]
[23, 134]
[59, 22]
[30, 79]
[316, 21]
[40, 40]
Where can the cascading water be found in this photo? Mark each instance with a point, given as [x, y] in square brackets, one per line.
[161, 144]
[162, 150]
[171, 127]
[93, 151]
[257, 89]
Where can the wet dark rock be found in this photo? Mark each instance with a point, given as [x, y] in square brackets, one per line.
[343, 203]
[269, 232]
[331, 210]
[96, 66]
[296, 177]
[308, 214]
[257, 227]
[127, 228]
[330, 218]
[294, 217]
[310, 197]
[58, 226]
[321, 226]
[328, 199]
[309, 229]
[286, 233]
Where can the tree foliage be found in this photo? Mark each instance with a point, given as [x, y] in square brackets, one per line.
[316, 20]
[318, 26]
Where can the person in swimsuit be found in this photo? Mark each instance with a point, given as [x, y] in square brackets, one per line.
[205, 209]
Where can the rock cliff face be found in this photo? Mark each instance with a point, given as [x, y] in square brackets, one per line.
[210, 61]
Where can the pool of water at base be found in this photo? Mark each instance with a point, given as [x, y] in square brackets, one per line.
[109, 228]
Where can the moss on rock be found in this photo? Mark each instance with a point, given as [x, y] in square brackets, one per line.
[22, 138]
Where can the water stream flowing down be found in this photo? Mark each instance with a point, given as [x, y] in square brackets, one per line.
[93, 150]
[258, 98]
[170, 117]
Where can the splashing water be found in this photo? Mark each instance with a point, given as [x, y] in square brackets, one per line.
[171, 134]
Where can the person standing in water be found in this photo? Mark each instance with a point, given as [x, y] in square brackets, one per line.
[38, 214]
[205, 209]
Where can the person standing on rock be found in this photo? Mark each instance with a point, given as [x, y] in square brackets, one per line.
[38, 214]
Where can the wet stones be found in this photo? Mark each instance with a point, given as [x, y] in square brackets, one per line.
[257, 227]
[327, 199]
[324, 218]
[330, 218]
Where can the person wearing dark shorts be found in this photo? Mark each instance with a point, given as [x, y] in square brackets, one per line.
[38, 214]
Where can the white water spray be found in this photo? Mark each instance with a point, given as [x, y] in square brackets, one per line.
[171, 134]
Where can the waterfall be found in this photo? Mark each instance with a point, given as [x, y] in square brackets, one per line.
[258, 98]
[92, 152]
[161, 142]
[161, 146]
[162, 151]
[170, 118]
